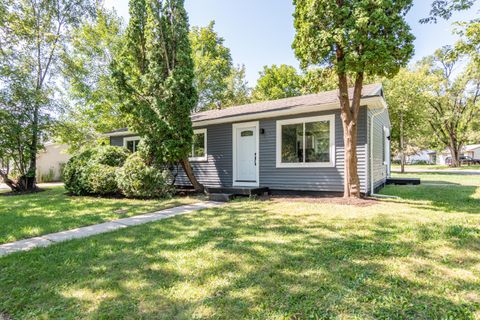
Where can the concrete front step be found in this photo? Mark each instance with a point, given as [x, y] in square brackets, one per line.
[220, 197]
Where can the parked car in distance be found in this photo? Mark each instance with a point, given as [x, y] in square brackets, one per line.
[464, 160]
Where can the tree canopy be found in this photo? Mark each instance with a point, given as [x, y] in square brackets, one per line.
[277, 82]
[34, 36]
[213, 65]
[154, 78]
[453, 100]
[93, 109]
[218, 82]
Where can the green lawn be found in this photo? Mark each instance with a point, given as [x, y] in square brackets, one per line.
[414, 258]
[52, 210]
[435, 167]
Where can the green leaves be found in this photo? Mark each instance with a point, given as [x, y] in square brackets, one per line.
[219, 84]
[277, 82]
[372, 35]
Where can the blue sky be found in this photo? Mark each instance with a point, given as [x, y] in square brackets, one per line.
[261, 32]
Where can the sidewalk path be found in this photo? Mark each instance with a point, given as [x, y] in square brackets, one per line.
[3, 186]
[440, 171]
[48, 239]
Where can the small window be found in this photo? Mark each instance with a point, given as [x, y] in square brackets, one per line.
[247, 133]
[199, 145]
[131, 143]
[306, 142]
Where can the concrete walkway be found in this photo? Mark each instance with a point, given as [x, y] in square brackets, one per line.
[48, 239]
[3, 186]
[449, 171]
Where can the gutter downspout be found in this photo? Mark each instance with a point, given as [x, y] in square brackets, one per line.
[372, 188]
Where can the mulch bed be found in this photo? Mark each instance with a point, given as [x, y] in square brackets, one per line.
[319, 199]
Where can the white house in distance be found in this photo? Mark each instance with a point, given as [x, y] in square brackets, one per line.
[50, 161]
[422, 156]
[472, 150]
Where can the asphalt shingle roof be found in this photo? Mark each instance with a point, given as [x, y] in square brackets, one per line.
[327, 97]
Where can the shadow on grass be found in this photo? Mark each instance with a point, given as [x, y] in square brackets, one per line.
[455, 198]
[235, 262]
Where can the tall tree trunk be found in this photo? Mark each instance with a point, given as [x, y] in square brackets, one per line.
[191, 176]
[29, 180]
[349, 115]
[402, 145]
[455, 150]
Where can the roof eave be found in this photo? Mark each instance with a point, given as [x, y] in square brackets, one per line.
[372, 102]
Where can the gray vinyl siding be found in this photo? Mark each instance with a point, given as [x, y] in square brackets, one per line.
[217, 170]
[379, 167]
[310, 179]
[118, 140]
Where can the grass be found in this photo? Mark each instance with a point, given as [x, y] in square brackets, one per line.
[412, 258]
[435, 167]
[52, 210]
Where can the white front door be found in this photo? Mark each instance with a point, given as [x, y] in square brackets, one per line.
[245, 154]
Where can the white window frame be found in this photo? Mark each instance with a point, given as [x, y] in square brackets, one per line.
[205, 157]
[128, 139]
[280, 123]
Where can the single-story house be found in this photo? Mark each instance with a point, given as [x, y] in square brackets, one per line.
[292, 144]
[471, 150]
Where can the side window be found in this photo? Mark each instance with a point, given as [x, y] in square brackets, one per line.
[131, 143]
[199, 145]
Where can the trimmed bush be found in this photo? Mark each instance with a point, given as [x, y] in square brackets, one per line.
[138, 180]
[93, 171]
[111, 156]
[76, 173]
[102, 179]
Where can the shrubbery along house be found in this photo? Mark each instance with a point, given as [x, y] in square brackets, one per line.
[292, 144]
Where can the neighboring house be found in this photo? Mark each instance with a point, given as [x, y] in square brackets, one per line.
[288, 144]
[472, 150]
[422, 156]
[50, 161]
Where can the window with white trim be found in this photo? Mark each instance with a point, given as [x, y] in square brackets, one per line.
[131, 143]
[199, 145]
[306, 142]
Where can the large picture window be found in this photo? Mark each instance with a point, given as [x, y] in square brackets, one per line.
[199, 145]
[306, 142]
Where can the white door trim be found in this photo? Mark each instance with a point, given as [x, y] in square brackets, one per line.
[236, 126]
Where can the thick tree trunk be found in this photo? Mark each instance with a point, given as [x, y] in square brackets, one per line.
[349, 120]
[455, 152]
[352, 182]
[402, 146]
[21, 185]
[191, 176]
